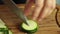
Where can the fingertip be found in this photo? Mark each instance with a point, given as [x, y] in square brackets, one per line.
[39, 19]
[33, 18]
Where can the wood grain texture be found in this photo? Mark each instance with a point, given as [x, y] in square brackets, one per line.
[47, 26]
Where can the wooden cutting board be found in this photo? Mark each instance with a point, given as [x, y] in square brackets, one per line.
[47, 26]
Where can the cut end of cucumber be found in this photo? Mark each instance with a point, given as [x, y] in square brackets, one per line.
[31, 28]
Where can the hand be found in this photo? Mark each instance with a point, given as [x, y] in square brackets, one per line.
[42, 8]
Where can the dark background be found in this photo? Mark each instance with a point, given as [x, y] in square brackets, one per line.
[16, 1]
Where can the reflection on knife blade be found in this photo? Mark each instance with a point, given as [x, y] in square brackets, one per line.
[16, 10]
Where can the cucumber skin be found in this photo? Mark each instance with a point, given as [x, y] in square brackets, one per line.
[4, 31]
[27, 31]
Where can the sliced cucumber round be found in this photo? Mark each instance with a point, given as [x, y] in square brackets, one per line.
[32, 27]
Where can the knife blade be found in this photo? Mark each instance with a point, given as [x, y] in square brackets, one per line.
[12, 6]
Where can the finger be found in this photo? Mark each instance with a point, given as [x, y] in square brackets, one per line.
[48, 8]
[38, 6]
[28, 6]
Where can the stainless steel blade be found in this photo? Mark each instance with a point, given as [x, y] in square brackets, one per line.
[16, 10]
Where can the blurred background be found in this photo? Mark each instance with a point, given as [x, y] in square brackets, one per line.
[58, 2]
[16, 1]
[24, 1]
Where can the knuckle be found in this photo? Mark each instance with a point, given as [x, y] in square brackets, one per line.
[39, 5]
[50, 6]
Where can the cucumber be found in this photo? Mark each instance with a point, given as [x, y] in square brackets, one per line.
[4, 29]
[31, 28]
[10, 32]
[1, 22]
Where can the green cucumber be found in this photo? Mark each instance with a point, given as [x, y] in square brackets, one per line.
[4, 29]
[31, 28]
[1, 22]
[10, 32]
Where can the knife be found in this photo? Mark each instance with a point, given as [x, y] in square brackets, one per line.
[18, 11]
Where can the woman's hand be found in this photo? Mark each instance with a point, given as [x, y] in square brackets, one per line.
[42, 8]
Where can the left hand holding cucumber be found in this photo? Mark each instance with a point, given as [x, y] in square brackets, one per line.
[42, 8]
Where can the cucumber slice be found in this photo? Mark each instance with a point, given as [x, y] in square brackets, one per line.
[1, 22]
[31, 28]
[1, 33]
[4, 28]
[10, 32]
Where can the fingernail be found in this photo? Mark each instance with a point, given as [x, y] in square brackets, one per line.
[34, 18]
[39, 19]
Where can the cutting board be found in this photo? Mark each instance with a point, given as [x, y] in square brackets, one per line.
[46, 26]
